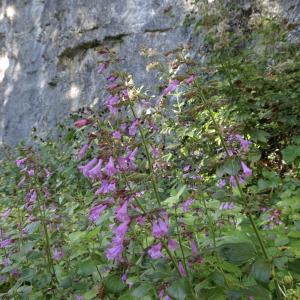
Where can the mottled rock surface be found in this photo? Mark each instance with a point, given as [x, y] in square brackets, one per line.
[48, 57]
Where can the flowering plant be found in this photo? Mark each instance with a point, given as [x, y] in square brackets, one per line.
[169, 196]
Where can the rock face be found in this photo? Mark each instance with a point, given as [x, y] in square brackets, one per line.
[48, 57]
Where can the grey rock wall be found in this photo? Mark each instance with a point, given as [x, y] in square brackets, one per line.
[48, 57]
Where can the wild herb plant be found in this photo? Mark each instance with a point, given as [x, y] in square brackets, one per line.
[192, 194]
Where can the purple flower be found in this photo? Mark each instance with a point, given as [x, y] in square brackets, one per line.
[77, 297]
[122, 213]
[160, 227]
[111, 78]
[247, 171]
[31, 172]
[85, 169]
[244, 143]
[106, 187]
[161, 293]
[181, 269]
[21, 161]
[117, 135]
[112, 85]
[116, 247]
[172, 245]
[112, 109]
[131, 159]
[48, 173]
[110, 169]
[123, 163]
[15, 273]
[124, 93]
[123, 127]
[101, 68]
[124, 276]
[186, 205]
[190, 79]
[58, 254]
[6, 261]
[226, 206]
[115, 251]
[171, 87]
[186, 168]
[82, 123]
[5, 243]
[141, 220]
[120, 231]
[6, 213]
[133, 128]
[112, 100]
[155, 152]
[46, 193]
[155, 251]
[194, 248]
[82, 151]
[95, 171]
[31, 196]
[96, 211]
[232, 181]
[153, 127]
[221, 183]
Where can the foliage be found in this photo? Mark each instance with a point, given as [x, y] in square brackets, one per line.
[194, 196]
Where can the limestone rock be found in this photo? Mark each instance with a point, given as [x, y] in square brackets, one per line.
[48, 57]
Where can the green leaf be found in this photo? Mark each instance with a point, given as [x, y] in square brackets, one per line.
[76, 237]
[290, 153]
[28, 274]
[174, 199]
[87, 267]
[179, 289]
[261, 271]
[142, 290]
[91, 294]
[236, 250]
[232, 167]
[127, 296]
[41, 280]
[260, 136]
[294, 266]
[114, 284]
[296, 139]
[257, 292]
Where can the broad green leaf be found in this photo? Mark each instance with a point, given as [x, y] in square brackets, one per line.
[174, 199]
[290, 153]
[87, 267]
[259, 135]
[179, 289]
[143, 290]
[261, 271]
[114, 284]
[232, 166]
[236, 250]
[91, 294]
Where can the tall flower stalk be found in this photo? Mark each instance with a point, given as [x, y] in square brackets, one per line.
[243, 196]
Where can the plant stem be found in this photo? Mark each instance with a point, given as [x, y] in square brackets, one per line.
[242, 195]
[153, 181]
[180, 244]
[172, 258]
[47, 239]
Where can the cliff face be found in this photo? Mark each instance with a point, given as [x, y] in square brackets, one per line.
[48, 57]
